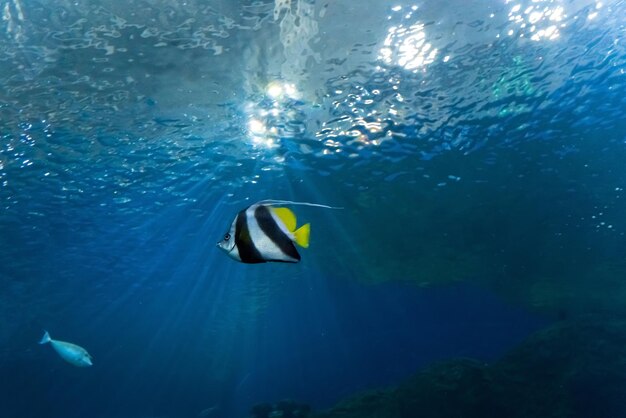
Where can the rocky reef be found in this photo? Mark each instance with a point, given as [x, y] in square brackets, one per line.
[572, 369]
[282, 409]
[544, 233]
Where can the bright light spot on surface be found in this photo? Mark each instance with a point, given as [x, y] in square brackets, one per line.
[266, 142]
[259, 134]
[274, 90]
[538, 20]
[272, 117]
[535, 17]
[406, 44]
[551, 32]
[407, 47]
[256, 127]
[280, 91]
[396, 8]
[592, 15]
[291, 91]
[557, 14]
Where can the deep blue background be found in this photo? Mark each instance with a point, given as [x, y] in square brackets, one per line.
[120, 170]
[316, 340]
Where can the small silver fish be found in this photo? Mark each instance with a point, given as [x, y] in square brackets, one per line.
[69, 352]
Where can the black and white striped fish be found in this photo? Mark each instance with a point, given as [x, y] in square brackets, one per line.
[263, 232]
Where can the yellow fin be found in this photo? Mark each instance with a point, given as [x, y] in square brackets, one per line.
[287, 216]
[302, 235]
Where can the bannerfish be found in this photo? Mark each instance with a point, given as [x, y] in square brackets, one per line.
[69, 352]
[263, 232]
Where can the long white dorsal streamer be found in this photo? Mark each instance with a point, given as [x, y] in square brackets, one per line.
[272, 202]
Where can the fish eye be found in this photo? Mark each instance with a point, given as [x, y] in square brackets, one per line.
[226, 237]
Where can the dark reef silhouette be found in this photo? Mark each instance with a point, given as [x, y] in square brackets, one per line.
[576, 368]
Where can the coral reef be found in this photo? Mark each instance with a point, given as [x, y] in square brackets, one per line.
[542, 233]
[573, 369]
[282, 409]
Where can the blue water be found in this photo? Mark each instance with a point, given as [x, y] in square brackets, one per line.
[477, 150]
[317, 342]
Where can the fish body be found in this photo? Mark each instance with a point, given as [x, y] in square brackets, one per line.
[262, 233]
[69, 352]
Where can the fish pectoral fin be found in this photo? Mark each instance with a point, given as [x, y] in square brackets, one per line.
[287, 216]
[302, 235]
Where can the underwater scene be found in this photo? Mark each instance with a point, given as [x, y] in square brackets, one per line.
[305, 208]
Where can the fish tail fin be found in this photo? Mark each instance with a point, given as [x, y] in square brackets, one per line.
[46, 338]
[302, 235]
